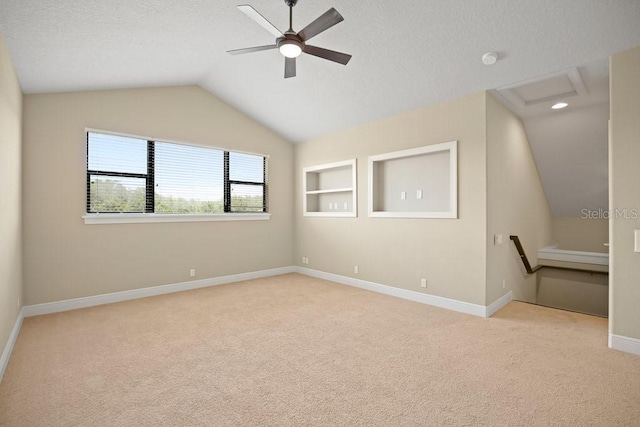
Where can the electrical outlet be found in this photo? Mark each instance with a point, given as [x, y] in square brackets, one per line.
[419, 194]
[346, 206]
[192, 272]
[356, 269]
[423, 283]
[504, 283]
[403, 195]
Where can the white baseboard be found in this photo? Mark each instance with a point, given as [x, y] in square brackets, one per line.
[492, 308]
[626, 344]
[6, 354]
[72, 304]
[451, 304]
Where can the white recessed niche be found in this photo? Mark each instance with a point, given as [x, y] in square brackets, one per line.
[415, 183]
[330, 189]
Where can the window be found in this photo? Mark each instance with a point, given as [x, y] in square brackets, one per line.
[244, 185]
[128, 175]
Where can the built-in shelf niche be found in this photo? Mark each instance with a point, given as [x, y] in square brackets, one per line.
[416, 183]
[330, 189]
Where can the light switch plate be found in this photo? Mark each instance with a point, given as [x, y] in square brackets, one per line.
[637, 241]
[497, 239]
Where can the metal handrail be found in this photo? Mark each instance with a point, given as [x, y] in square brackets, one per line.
[531, 270]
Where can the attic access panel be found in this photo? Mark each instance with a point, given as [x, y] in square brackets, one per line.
[556, 86]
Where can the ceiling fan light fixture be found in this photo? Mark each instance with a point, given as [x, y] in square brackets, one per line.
[290, 48]
[290, 43]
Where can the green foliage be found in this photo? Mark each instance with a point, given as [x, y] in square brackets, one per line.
[110, 196]
[179, 205]
[246, 203]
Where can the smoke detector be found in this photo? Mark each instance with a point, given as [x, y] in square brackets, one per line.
[489, 58]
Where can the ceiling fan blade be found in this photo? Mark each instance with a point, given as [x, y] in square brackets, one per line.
[251, 49]
[261, 20]
[289, 67]
[331, 55]
[324, 22]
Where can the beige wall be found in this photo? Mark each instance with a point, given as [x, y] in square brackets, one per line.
[580, 234]
[64, 258]
[10, 195]
[516, 205]
[624, 179]
[449, 253]
[573, 290]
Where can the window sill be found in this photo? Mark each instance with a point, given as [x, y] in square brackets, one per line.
[140, 218]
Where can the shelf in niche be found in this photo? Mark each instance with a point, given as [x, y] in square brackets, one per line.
[415, 183]
[330, 189]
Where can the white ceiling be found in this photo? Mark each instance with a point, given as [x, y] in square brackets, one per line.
[405, 55]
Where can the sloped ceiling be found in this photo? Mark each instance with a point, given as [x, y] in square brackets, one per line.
[405, 54]
[570, 145]
[570, 150]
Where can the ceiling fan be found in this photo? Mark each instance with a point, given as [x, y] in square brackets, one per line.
[292, 44]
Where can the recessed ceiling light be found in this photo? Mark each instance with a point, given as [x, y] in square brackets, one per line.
[559, 105]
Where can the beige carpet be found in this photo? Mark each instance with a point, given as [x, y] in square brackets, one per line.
[293, 350]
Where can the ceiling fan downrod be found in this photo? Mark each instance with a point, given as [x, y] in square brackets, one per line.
[290, 3]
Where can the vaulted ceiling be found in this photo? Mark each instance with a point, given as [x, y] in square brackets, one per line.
[405, 54]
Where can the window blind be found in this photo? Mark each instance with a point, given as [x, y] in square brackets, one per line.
[134, 175]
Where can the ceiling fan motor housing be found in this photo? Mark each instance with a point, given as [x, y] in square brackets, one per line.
[290, 38]
[290, 3]
[286, 44]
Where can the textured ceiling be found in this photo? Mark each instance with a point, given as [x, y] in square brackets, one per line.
[405, 54]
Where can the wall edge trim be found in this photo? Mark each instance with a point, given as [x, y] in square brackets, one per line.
[433, 300]
[626, 344]
[498, 304]
[8, 348]
[91, 301]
